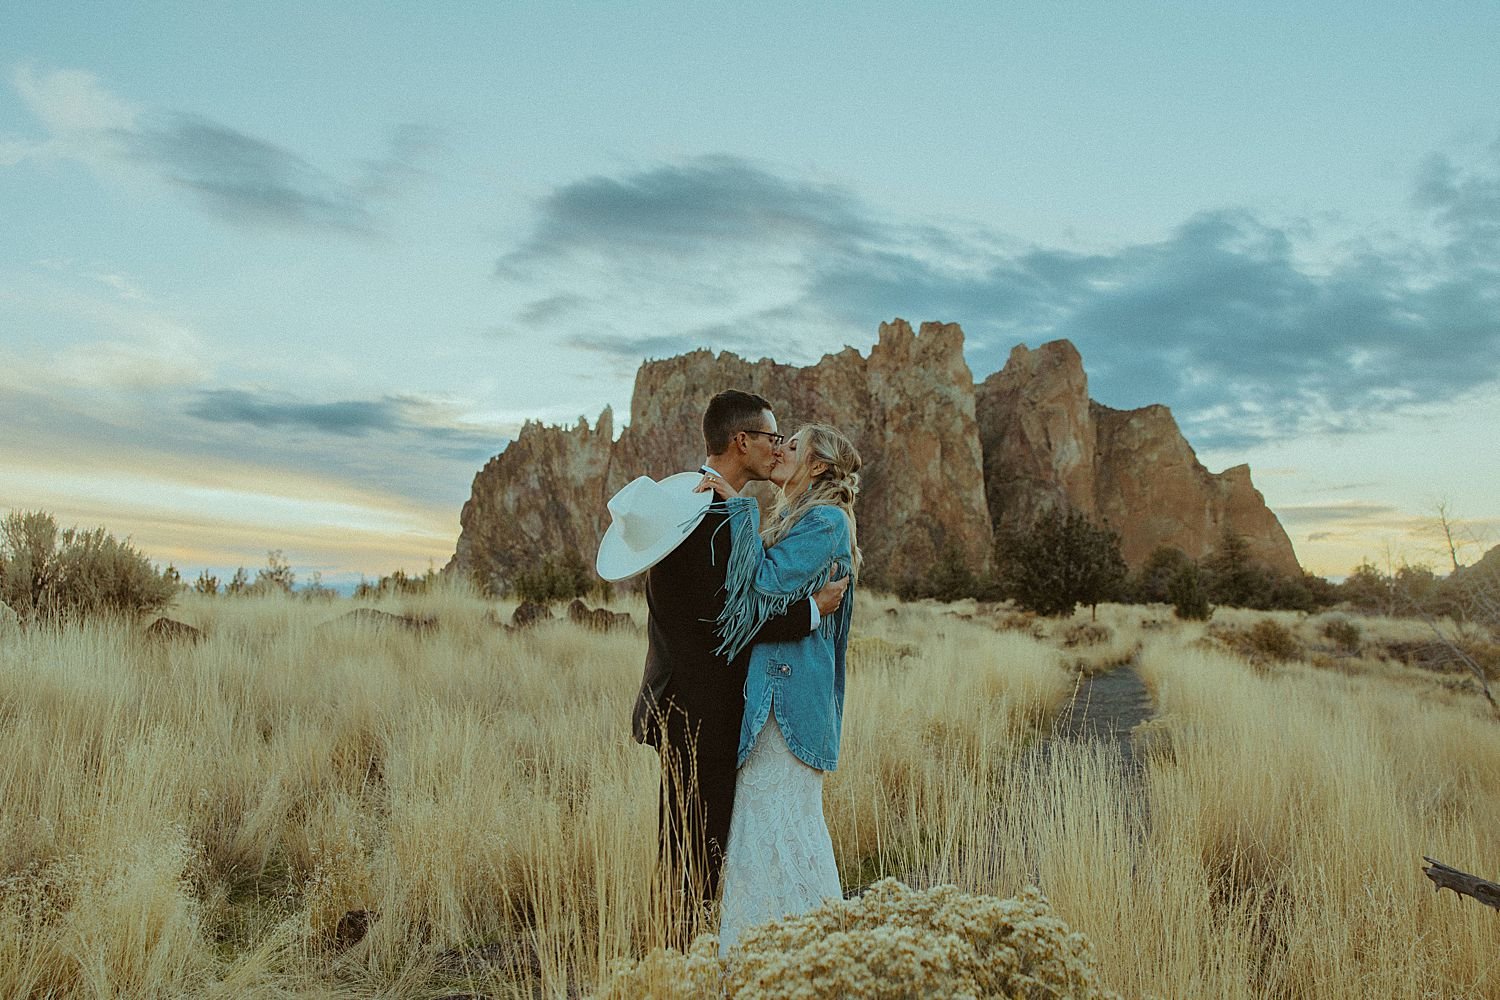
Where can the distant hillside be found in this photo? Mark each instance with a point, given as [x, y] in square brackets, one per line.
[1488, 566]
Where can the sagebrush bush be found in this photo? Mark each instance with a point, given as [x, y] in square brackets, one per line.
[51, 574]
[1271, 640]
[398, 584]
[1266, 641]
[891, 942]
[1342, 633]
[1086, 634]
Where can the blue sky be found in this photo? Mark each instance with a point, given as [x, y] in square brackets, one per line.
[284, 276]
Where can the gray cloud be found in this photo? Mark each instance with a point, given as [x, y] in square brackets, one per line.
[411, 145]
[406, 416]
[1466, 202]
[765, 333]
[413, 448]
[551, 308]
[1222, 320]
[250, 181]
[675, 211]
[353, 418]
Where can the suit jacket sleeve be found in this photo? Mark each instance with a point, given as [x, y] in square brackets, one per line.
[795, 624]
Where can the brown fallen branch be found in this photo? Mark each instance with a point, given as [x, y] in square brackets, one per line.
[1462, 883]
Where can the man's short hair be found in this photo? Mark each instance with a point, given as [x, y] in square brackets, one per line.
[728, 413]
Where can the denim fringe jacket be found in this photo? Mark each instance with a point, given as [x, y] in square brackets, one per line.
[801, 680]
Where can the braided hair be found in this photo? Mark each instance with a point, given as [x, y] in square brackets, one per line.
[836, 485]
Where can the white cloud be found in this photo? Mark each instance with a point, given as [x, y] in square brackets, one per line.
[82, 119]
[117, 337]
[163, 355]
[72, 100]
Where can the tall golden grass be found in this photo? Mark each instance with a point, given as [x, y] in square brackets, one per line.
[187, 819]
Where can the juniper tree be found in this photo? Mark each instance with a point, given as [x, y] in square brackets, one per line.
[1061, 561]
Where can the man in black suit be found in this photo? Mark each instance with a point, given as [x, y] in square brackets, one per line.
[691, 698]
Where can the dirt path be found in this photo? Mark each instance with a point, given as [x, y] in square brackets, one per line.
[1108, 706]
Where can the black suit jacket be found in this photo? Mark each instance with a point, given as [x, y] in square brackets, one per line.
[684, 596]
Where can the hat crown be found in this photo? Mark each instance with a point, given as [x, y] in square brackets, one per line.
[642, 513]
[647, 520]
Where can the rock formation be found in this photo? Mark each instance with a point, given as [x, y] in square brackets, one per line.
[908, 408]
[1036, 432]
[1046, 443]
[545, 494]
[944, 460]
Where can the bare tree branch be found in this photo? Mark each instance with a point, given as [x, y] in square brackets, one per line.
[1444, 877]
[1445, 521]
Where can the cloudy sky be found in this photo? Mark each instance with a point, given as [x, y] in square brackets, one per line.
[286, 275]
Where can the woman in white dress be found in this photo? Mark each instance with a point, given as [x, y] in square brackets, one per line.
[780, 857]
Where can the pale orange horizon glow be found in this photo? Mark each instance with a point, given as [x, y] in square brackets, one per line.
[193, 516]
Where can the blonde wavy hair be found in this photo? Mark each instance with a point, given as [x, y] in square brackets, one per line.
[836, 486]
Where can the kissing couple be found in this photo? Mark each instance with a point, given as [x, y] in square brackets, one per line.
[747, 629]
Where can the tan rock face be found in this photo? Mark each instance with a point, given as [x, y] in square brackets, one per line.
[1046, 442]
[542, 496]
[1037, 434]
[943, 462]
[908, 408]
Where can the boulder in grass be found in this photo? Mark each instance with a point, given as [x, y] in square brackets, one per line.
[170, 630]
[352, 928]
[598, 619]
[529, 614]
[371, 618]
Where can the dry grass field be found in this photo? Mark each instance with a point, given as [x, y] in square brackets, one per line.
[206, 819]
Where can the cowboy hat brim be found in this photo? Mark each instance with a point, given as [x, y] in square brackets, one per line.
[618, 560]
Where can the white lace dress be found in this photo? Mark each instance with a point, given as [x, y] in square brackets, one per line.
[780, 857]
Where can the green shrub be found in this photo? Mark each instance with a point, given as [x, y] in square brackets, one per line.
[1234, 578]
[1188, 595]
[398, 584]
[276, 577]
[949, 578]
[1150, 584]
[1483, 657]
[1086, 634]
[50, 574]
[560, 579]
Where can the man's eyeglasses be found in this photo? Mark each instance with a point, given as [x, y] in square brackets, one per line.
[777, 440]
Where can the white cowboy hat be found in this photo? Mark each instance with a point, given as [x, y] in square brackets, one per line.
[647, 521]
